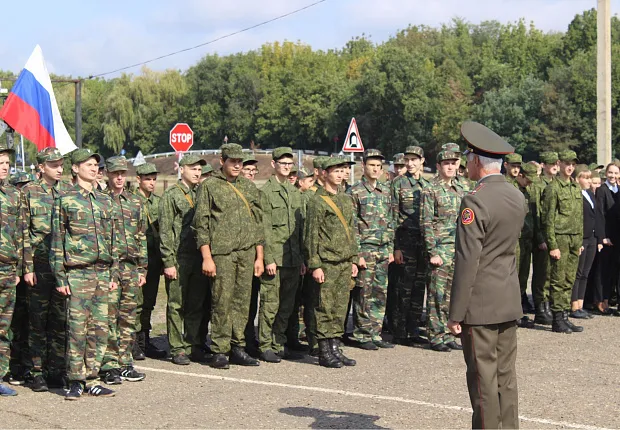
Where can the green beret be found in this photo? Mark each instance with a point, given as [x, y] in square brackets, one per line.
[399, 159]
[116, 164]
[414, 150]
[446, 155]
[373, 153]
[581, 168]
[232, 150]
[530, 171]
[191, 159]
[513, 158]
[333, 161]
[549, 157]
[303, 173]
[451, 147]
[146, 169]
[206, 169]
[82, 154]
[249, 158]
[568, 155]
[49, 154]
[20, 178]
[281, 152]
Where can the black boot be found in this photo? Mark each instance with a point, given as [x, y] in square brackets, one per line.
[334, 345]
[239, 357]
[326, 358]
[541, 315]
[138, 344]
[526, 305]
[573, 327]
[548, 311]
[151, 350]
[559, 325]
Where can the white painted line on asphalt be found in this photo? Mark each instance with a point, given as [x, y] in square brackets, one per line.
[364, 395]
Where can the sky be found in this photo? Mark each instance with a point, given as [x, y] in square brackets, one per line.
[83, 38]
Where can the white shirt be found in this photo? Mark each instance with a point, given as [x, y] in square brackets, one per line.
[613, 188]
[587, 196]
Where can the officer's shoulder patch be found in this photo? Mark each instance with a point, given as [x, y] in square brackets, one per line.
[467, 216]
[478, 188]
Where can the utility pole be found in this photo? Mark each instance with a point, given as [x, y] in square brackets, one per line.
[78, 113]
[603, 83]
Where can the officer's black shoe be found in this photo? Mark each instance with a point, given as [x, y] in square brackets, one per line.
[296, 345]
[559, 325]
[334, 345]
[239, 357]
[383, 344]
[38, 384]
[573, 327]
[136, 351]
[369, 346]
[150, 350]
[75, 391]
[440, 347]
[219, 361]
[270, 357]
[326, 358]
[454, 345]
[111, 377]
[526, 305]
[181, 359]
[525, 322]
[542, 317]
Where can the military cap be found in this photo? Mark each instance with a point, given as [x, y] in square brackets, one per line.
[333, 161]
[82, 154]
[190, 159]
[530, 171]
[206, 169]
[451, 147]
[414, 150]
[348, 161]
[249, 158]
[281, 152]
[4, 147]
[513, 158]
[581, 168]
[447, 155]
[102, 163]
[399, 159]
[568, 155]
[49, 154]
[373, 153]
[21, 178]
[232, 150]
[146, 169]
[294, 170]
[595, 166]
[483, 141]
[549, 157]
[317, 163]
[116, 163]
[303, 173]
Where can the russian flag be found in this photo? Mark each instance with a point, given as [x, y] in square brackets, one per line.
[31, 108]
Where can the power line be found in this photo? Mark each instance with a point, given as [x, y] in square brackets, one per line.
[211, 41]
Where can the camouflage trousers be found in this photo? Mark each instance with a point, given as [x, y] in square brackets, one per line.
[122, 319]
[438, 302]
[309, 301]
[230, 298]
[524, 260]
[147, 295]
[87, 322]
[370, 297]
[540, 275]
[47, 339]
[333, 298]
[187, 301]
[410, 289]
[277, 301]
[7, 305]
[296, 325]
[19, 329]
[564, 271]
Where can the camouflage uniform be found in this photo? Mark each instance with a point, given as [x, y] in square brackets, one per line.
[406, 199]
[187, 294]
[440, 211]
[132, 262]
[375, 234]
[232, 229]
[526, 239]
[83, 258]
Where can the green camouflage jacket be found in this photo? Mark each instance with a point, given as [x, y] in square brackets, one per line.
[536, 191]
[150, 214]
[466, 184]
[283, 210]
[223, 220]
[132, 238]
[373, 214]
[440, 212]
[12, 238]
[562, 211]
[406, 201]
[176, 212]
[84, 232]
[325, 237]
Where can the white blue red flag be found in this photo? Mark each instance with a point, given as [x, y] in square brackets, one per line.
[31, 108]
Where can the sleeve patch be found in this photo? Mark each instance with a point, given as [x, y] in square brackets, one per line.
[467, 216]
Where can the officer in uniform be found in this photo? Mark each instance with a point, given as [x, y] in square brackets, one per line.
[484, 302]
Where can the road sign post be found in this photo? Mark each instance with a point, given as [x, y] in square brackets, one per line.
[353, 143]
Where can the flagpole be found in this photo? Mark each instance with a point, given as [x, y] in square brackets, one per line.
[21, 141]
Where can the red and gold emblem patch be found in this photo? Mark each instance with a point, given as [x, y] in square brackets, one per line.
[467, 216]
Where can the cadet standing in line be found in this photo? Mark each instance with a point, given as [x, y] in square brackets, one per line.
[529, 174]
[439, 215]
[283, 222]
[375, 235]
[230, 236]
[540, 256]
[563, 227]
[409, 249]
[47, 308]
[117, 362]
[206, 172]
[458, 179]
[147, 295]
[12, 245]
[330, 248]
[484, 303]
[84, 261]
[292, 176]
[185, 284]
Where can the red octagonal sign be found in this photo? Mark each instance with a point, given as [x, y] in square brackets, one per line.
[181, 137]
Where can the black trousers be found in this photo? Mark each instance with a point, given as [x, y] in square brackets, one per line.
[610, 270]
[583, 270]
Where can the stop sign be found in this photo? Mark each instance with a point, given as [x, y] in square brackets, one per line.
[181, 137]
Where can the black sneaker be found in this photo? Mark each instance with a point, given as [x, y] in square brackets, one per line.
[20, 378]
[75, 391]
[100, 391]
[132, 375]
[38, 384]
[112, 377]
